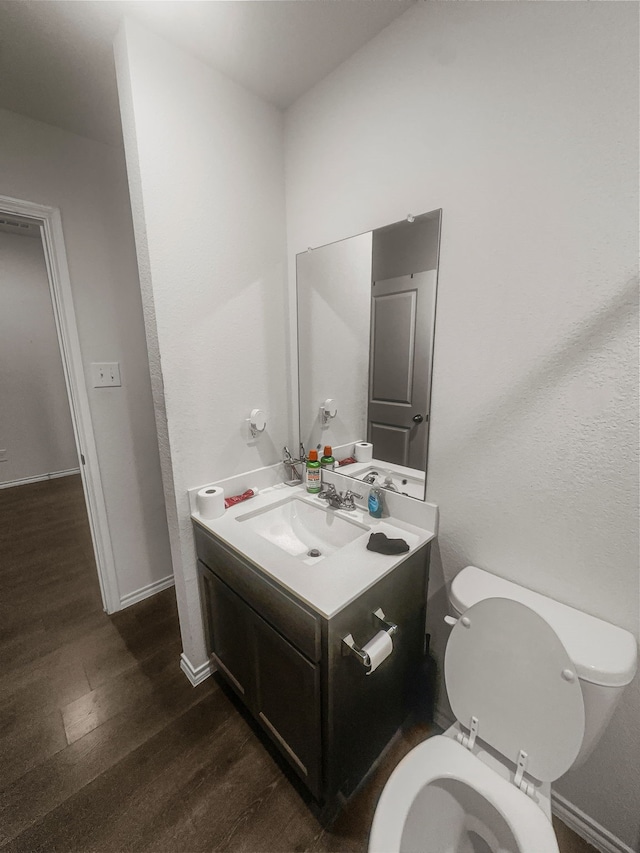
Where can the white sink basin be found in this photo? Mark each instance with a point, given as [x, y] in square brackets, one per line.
[303, 529]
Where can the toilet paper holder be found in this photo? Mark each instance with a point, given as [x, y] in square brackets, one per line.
[349, 646]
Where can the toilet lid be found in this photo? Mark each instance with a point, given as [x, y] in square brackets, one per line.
[506, 666]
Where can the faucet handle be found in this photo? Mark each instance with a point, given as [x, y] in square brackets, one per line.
[328, 492]
[349, 496]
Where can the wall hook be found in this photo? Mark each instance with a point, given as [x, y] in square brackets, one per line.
[257, 422]
[328, 410]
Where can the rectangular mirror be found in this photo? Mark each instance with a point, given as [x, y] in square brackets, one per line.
[366, 319]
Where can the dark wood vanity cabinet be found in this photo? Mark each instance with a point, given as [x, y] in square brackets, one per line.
[328, 718]
[277, 683]
[288, 702]
[228, 632]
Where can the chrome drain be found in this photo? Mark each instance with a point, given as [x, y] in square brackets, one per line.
[314, 553]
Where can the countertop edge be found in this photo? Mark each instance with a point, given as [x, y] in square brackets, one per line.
[218, 529]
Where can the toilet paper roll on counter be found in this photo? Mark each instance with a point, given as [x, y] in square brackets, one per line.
[378, 649]
[363, 451]
[210, 502]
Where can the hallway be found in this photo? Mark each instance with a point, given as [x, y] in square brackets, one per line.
[79, 690]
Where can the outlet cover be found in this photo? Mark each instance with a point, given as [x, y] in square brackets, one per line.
[105, 374]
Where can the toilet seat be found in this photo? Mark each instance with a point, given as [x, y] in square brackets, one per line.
[442, 758]
[507, 671]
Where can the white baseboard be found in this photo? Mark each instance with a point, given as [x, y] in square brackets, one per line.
[575, 818]
[39, 478]
[586, 827]
[196, 674]
[146, 591]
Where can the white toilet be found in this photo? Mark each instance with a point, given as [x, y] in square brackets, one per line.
[532, 684]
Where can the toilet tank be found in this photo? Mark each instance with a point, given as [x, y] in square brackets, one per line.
[604, 656]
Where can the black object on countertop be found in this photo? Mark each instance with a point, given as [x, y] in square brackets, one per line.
[381, 543]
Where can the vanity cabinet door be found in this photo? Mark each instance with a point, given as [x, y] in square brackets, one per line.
[228, 623]
[287, 701]
[365, 710]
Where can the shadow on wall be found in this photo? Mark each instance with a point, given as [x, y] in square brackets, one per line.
[263, 308]
[268, 452]
[590, 335]
[438, 607]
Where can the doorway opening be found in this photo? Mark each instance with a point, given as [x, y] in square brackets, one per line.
[66, 397]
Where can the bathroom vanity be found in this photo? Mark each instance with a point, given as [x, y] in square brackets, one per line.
[276, 624]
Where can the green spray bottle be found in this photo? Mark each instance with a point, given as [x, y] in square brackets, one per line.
[313, 480]
[327, 461]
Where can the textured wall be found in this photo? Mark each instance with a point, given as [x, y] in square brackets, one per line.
[35, 422]
[206, 170]
[87, 181]
[520, 120]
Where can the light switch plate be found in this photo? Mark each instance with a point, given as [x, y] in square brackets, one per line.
[105, 374]
[4, 456]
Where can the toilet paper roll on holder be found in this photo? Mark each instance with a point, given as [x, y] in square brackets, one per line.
[349, 646]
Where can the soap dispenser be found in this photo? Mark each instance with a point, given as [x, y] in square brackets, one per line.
[376, 502]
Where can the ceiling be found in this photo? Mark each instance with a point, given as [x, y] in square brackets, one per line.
[56, 59]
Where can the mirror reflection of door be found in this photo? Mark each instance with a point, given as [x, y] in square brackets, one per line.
[366, 317]
[402, 320]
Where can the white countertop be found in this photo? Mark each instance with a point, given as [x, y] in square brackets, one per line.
[332, 582]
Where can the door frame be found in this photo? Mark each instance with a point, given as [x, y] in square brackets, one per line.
[50, 222]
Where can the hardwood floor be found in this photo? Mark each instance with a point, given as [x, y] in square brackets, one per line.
[104, 745]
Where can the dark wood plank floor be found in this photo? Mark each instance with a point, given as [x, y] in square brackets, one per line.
[104, 745]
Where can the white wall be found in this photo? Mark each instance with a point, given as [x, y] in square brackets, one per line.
[87, 181]
[334, 311]
[520, 120]
[35, 422]
[206, 170]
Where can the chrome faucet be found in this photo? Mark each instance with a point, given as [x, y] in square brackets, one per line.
[339, 500]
